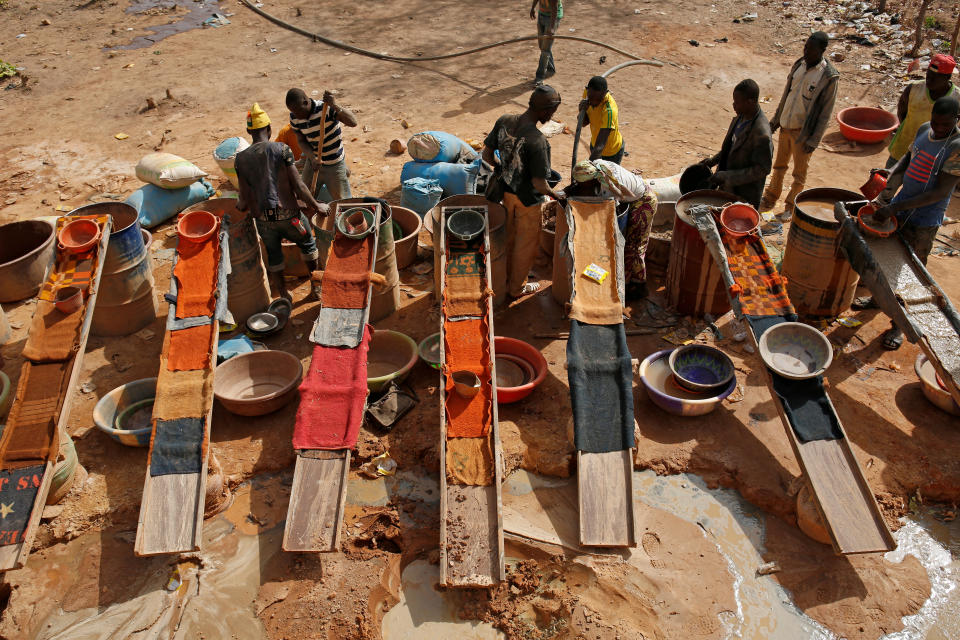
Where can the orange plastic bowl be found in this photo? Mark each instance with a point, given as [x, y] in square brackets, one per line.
[79, 236]
[866, 124]
[739, 219]
[196, 226]
[528, 353]
[868, 210]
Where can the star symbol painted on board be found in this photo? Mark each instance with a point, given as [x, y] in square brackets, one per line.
[5, 509]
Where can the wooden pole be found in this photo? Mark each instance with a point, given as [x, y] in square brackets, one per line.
[918, 34]
[956, 32]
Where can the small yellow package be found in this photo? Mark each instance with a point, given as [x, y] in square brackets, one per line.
[596, 273]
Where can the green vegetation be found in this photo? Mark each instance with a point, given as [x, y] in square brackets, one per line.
[7, 70]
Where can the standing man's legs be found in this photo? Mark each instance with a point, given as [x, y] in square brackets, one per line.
[273, 241]
[546, 29]
[297, 230]
[523, 241]
[335, 177]
[785, 144]
[801, 164]
[637, 237]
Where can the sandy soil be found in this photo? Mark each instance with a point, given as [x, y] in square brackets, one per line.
[58, 149]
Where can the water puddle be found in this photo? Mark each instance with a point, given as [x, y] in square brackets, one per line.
[185, 14]
[424, 612]
[765, 608]
[212, 594]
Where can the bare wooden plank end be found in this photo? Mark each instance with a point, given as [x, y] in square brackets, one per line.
[605, 499]
[317, 499]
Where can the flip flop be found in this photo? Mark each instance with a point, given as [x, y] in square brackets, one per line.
[864, 302]
[528, 289]
[892, 339]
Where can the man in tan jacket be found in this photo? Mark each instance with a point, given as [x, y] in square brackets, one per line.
[802, 117]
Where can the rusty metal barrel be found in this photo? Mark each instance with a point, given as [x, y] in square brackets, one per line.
[497, 219]
[126, 301]
[694, 283]
[820, 282]
[248, 292]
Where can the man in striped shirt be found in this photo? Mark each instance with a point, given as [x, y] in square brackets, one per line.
[317, 127]
[929, 171]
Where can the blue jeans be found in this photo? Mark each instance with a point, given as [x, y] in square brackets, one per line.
[296, 229]
[334, 176]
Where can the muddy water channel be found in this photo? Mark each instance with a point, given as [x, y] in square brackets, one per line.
[219, 593]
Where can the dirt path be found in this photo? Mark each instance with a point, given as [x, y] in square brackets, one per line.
[58, 149]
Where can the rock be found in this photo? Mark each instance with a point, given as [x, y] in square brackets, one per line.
[837, 56]
[397, 146]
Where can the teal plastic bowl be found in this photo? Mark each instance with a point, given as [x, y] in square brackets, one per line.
[391, 357]
[429, 350]
[5, 396]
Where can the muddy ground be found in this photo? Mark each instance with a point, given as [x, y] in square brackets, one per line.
[77, 90]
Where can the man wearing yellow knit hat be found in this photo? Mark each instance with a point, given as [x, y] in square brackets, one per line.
[269, 187]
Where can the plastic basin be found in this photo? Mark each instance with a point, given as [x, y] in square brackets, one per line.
[429, 350]
[739, 219]
[929, 382]
[257, 383]
[110, 406]
[5, 397]
[356, 222]
[866, 124]
[79, 236]
[391, 357]
[465, 224]
[795, 350]
[664, 392]
[701, 368]
[196, 226]
[873, 227]
[526, 352]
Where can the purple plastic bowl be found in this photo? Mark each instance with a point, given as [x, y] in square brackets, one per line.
[680, 406]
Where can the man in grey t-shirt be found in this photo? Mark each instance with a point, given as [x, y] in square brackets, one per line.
[269, 187]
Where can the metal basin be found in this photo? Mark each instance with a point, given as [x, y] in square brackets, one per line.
[25, 253]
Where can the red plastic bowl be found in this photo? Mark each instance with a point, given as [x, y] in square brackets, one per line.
[866, 124]
[79, 236]
[520, 349]
[197, 226]
[739, 219]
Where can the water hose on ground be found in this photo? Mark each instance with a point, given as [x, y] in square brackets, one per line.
[316, 37]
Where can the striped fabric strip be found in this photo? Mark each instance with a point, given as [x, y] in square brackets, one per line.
[332, 151]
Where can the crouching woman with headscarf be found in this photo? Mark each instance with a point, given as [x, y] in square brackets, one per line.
[610, 180]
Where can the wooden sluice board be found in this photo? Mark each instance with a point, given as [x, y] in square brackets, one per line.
[908, 294]
[14, 556]
[605, 499]
[319, 490]
[471, 517]
[604, 481]
[847, 506]
[171, 510]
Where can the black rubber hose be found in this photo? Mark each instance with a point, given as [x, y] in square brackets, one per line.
[382, 56]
